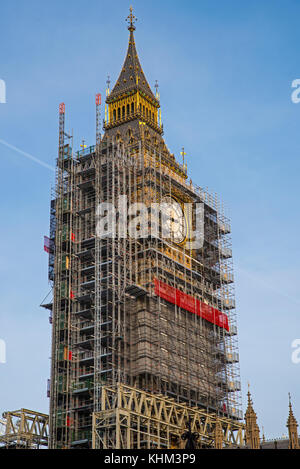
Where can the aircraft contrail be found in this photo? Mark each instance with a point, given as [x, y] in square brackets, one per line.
[27, 155]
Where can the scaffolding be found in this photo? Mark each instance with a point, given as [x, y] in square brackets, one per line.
[111, 323]
[134, 419]
[61, 273]
[24, 429]
[2, 426]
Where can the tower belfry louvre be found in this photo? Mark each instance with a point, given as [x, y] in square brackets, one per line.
[141, 314]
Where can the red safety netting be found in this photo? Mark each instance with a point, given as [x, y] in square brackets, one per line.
[189, 303]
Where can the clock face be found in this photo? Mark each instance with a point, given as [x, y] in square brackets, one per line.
[174, 225]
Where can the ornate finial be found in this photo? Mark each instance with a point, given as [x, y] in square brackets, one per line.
[108, 85]
[291, 415]
[252, 429]
[156, 88]
[83, 145]
[250, 403]
[131, 19]
[183, 154]
[292, 426]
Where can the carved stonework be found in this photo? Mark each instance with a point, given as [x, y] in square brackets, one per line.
[252, 429]
[292, 426]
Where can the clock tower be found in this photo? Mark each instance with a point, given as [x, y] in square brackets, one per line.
[154, 310]
[182, 320]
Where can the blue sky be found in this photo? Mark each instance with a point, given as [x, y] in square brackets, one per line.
[225, 71]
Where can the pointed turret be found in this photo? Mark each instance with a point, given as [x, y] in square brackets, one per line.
[132, 76]
[132, 111]
[131, 101]
[292, 426]
[252, 429]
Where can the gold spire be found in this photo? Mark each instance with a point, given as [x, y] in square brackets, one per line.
[132, 77]
[131, 99]
[131, 19]
[252, 429]
[292, 426]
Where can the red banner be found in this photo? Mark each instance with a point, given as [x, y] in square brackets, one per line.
[191, 304]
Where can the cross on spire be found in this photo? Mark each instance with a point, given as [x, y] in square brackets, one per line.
[131, 19]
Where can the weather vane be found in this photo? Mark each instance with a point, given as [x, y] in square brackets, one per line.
[131, 19]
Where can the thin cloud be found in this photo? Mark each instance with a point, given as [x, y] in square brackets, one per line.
[27, 155]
